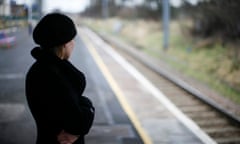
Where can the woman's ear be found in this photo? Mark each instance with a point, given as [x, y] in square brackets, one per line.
[65, 45]
[69, 44]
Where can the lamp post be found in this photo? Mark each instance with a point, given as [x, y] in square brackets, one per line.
[166, 17]
[105, 8]
[29, 16]
[29, 8]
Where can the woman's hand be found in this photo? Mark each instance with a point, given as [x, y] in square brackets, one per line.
[66, 138]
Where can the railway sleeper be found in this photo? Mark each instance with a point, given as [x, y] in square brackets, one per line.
[176, 94]
[228, 140]
[195, 109]
[223, 132]
[184, 101]
[204, 115]
[191, 104]
[206, 123]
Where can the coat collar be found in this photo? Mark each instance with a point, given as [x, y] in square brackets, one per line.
[41, 54]
[64, 67]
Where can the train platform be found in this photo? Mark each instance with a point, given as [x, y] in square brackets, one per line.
[155, 118]
[129, 109]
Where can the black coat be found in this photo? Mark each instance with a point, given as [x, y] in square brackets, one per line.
[54, 90]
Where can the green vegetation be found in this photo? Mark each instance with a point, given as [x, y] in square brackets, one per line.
[7, 22]
[203, 59]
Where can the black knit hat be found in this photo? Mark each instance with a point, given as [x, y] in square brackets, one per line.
[53, 30]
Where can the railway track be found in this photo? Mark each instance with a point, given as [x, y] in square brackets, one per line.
[218, 123]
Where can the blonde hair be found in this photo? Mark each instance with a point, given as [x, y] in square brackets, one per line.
[58, 51]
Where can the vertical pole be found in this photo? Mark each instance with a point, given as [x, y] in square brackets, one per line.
[40, 8]
[29, 13]
[105, 8]
[166, 17]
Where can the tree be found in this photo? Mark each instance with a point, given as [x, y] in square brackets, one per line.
[217, 18]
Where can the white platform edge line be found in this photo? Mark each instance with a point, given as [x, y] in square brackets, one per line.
[192, 126]
[114, 86]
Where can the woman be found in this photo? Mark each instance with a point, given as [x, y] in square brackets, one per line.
[54, 86]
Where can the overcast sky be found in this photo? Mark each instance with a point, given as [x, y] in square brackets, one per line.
[80, 5]
[66, 5]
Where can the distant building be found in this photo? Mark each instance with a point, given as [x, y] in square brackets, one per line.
[18, 10]
[5, 9]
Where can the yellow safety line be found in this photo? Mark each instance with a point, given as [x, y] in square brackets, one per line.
[120, 96]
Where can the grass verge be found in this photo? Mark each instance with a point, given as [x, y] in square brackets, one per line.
[209, 63]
